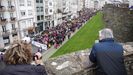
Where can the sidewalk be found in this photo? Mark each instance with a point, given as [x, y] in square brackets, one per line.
[47, 54]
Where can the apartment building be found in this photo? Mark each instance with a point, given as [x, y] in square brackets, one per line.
[49, 13]
[19, 18]
[16, 20]
[25, 18]
[64, 8]
[39, 15]
[8, 22]
[58, 12]
[74, 7]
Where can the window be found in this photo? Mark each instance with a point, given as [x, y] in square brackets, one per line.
[29, 12]
[46, 3]
[21, 2]
[13, 26]
[11, 14]
[46, 11]
[50, 3]
[6, 40]
[41, 9]
[9, 3]
[1, 15]
[64, 4]
[30, 22]
[4, 28]
[23, 13]
[51, 10]
[29, 2]
[37, 1]
[22, 24]
[41, 1]
[42, 17]
[38, 17]
[37, 8]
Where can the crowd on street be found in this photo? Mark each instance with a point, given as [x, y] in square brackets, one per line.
[54, 36]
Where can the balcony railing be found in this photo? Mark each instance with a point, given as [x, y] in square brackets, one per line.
[12, 19]
[2, 9]
[6, 33]
[3, 21]
[14, 31]
[11, 8]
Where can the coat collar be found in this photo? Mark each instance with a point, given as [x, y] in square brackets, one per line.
[107, 40]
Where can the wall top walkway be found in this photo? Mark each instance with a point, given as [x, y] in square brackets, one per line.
[78, 63]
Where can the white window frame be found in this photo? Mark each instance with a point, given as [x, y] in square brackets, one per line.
[21, 2]
[30, 12]
[22, 13]
[29, 2]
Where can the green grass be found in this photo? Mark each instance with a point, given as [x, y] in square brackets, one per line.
[84, 38]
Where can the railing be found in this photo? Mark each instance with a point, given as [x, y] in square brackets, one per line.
[11, 8]
[14, 31]
[6, 33]
[3, 21]
[12, 19]
[2, 8]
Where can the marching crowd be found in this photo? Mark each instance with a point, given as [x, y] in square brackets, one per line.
[54, 36]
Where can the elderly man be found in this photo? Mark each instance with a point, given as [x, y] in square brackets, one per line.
[108, 55]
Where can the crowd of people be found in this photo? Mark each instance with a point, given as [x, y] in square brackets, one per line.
[54, 36]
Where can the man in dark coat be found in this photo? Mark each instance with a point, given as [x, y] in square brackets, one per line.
[108, 55]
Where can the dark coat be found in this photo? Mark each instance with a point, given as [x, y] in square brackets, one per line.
[108, 56]
[23, 70]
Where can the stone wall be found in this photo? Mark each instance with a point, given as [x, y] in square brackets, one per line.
[119, 18]
[78, 63]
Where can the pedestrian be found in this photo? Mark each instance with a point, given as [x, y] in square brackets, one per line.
[40, 49]
[1, 56]
[108, 55]
[2, 64]
[18, 61]
[69, 35]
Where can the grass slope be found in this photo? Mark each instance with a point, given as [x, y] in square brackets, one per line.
[84, 38]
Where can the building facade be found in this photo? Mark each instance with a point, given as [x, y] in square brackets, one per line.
[25, 17]
[39, 15]
[19, 18]
[8, 22]
[49, 13]
[16, 20]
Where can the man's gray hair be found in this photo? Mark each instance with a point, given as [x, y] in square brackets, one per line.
[106, 33]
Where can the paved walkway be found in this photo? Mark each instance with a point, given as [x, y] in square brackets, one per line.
[52, 50]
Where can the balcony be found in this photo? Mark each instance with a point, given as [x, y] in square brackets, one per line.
[2, 9]
[11, 8]
[48, 17]
[6, 33]
[3, 21]
[14, 31]
[12, 19]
